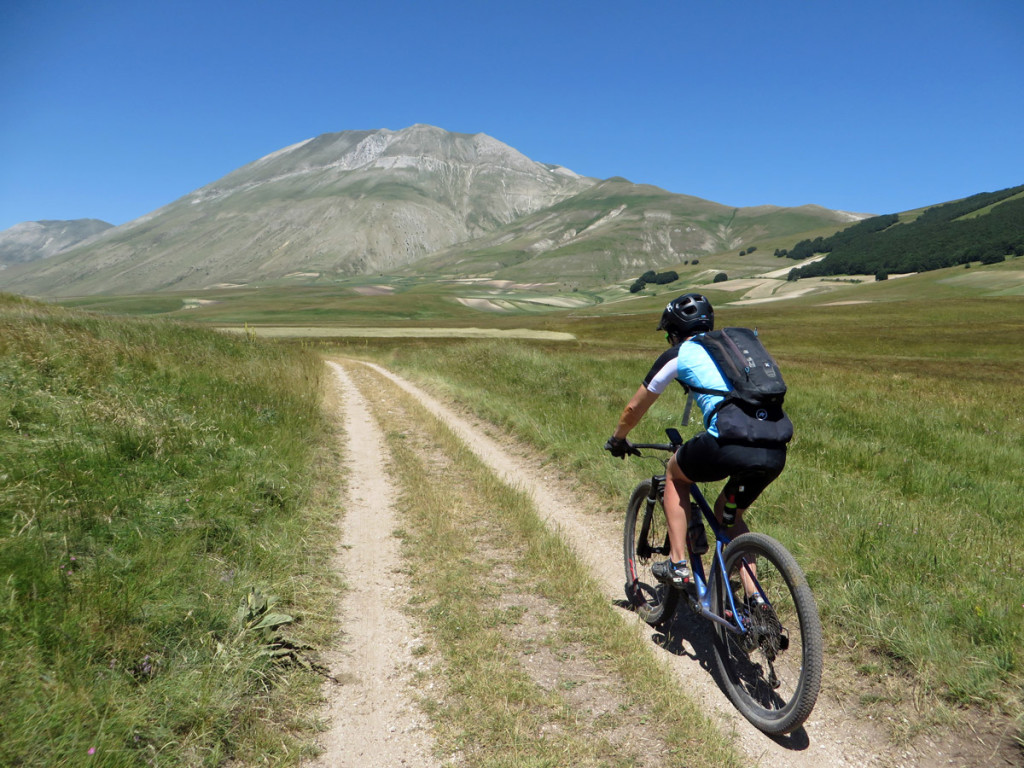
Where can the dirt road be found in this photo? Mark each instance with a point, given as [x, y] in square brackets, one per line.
[378, 719]
[373, 720]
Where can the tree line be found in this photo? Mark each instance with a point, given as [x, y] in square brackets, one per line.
[943, 236]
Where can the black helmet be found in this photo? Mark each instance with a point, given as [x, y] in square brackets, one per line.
[689, 314]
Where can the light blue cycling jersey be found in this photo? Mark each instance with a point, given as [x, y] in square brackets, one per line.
[691, 365]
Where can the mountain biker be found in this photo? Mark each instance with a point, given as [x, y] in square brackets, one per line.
[706, 457]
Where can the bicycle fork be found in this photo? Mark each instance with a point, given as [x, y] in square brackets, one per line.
[657, 486]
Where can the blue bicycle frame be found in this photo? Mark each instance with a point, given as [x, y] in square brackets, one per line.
[702, 604]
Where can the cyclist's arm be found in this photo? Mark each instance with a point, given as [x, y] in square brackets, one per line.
[635, 410]
[662, 373]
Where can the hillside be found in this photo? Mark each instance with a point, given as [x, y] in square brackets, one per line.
[379, 202]
[618, 229]
[986, 227]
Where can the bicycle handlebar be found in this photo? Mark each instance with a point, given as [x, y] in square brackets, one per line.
[656, 446]
[672, 447]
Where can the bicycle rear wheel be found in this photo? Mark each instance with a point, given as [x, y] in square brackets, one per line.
[772, 673]
[645, 541]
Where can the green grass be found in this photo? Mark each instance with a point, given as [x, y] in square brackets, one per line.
[172, 465]
[152, 474]
[902, 493]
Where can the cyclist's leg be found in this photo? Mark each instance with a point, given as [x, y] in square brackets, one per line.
[739, 527]
[677, 509]
[697, 461]
[754, 470]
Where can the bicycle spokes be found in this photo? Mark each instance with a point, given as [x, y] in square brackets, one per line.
[772, 668]
[646, 541]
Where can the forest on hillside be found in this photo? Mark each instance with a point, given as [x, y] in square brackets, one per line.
[987, 227]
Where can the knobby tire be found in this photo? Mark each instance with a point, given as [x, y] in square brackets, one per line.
[772, 674]
[645, 542]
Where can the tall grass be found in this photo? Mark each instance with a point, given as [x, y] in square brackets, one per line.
[902, 495]
[151, 475]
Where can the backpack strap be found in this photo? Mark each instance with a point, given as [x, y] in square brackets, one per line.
[702, 391]
[727, 397]
[687, 409]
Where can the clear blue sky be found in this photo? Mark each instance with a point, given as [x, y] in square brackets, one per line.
[110, 109]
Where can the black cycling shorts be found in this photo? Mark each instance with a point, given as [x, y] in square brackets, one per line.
[750, 468]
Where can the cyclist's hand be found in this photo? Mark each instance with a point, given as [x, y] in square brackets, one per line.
[619, 447]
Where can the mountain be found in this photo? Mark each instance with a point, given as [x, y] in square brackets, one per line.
[343, 204]
[368, 202]
[33, 240]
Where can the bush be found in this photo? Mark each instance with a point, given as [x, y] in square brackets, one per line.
[664, 278]
[721, 277]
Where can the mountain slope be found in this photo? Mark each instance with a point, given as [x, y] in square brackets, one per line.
[616, 229]
[33, 240]
[343, 204]
[986, 227]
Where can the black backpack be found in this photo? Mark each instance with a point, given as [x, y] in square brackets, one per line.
[752, 409]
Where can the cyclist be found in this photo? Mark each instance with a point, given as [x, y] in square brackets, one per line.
[749, 468]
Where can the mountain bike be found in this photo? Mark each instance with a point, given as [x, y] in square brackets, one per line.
[767, 633]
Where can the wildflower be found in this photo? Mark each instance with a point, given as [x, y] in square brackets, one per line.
[92, 750]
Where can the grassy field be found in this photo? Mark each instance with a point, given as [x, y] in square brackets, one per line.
[154, 473]
[902, 494]
[152, 476]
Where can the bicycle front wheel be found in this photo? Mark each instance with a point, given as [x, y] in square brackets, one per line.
[645, 541]
[772, 672]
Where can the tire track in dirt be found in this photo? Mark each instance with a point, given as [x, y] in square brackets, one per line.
[373, 720]
[831, 737]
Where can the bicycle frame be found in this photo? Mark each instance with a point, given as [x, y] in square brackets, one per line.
[702, 603]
